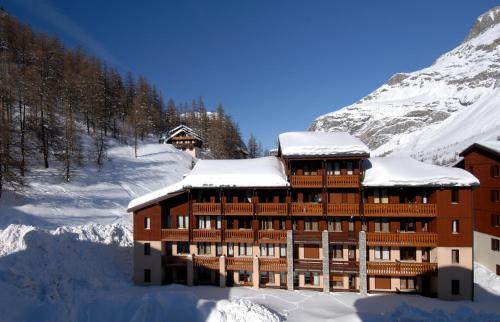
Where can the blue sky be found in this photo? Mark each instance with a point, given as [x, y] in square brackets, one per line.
[275, 65]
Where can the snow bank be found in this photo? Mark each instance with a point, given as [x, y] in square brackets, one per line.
[405, 171]
[321, 143]
[241, 310]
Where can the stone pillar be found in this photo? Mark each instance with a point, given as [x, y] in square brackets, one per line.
[363, 288]
[326, 261]
[190, 270]
[222, 271]
[289, 259]
[256, 272]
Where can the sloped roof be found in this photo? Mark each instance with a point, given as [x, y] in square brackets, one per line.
[182, 128]
[490, 146]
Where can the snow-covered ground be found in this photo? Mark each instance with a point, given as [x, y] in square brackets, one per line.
[65, 255]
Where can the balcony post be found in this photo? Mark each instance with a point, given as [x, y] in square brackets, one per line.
[256, 273]
[363, 287]
[326, 261]
[190, 270]
[222, 271]
[289, 259]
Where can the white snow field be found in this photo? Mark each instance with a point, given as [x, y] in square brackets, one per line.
[66, 255]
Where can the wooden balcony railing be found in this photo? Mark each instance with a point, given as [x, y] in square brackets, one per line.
[306, 181]
[344, 267]
[343, 237]
[174, 234]
[206, 208]
[271, 209]
[395, 210]
[272, 264]
[351, 181]
[308, 264]
[402, 239]
[307, 236]
[307, 209]
[210, 262]
[343, 209]
[238, 208]
[400, 268]
[272, 236]
[238, 235]
[239, 263]
[206, 235]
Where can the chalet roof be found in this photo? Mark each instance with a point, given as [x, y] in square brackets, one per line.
[490, 146]
[267, 172]
[183, 128]
[321, 144]
[405, 171]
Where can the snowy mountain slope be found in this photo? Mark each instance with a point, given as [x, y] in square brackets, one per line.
[437, 111]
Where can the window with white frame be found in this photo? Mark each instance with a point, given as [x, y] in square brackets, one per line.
[282, 251]
[182, 222]
[204, 222]
[310, 223]
[219, 222]
[382, 225]
[380, 196]
[349, 169]
[334, 224]
[266, 249]
[336, 168]
[382, 253]
[230, 249]
[147, 223]
[245, 249]
[455, 226]
[266, 223]
[204, 249]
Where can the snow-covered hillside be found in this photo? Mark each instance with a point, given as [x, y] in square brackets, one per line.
[433, 113]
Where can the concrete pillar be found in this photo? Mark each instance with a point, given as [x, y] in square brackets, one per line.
[190, 270]
[222, 271]
[326, 261]
[363, 287]
[289, 259]
[256, 272]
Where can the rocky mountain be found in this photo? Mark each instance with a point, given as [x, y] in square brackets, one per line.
[433, 113]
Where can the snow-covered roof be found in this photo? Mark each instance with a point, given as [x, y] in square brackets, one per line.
[405, 171]
[260, 172]
[321, 144]
[491, 145]
[183, 128]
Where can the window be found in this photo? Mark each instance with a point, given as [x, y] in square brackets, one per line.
[351, 252]
[336, 224]
[455, 226]
[219, 222]
[266, 249]
[182, 248]
[147, 223]
[408, 253]
[382, 225]
[266, 277]
[454, 195]
[311, 278]
[204, 222]
[424, 196]
[204, 249]
[282, 279]
[266, 223]
[282, 251]
[230, 249]
[455, 287]
[495, 195]
[295, 224]
[336, 168]
[218, 249]
[495, 220]
[245, 249]
[425, 226]
[407, 283]
[245, 277]
[407, 225]
[455, 256]
[311, 223]
[147, 249]
[245, 223]
[350, 224]
[380, 196]
[494, 171]
[426, 255]
[336, 252]
[495, 244]
[349, 169]
[382, 253]
[337, 280]
[147, 276]
[182, 222]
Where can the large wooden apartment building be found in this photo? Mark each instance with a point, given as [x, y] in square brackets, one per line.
[321, 215]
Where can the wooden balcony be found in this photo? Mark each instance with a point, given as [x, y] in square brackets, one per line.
[307, 209]
[174, 234]
[238, 235]
[351, 181]
[206, 235]
[211, 262]
[306, 181]
[272, 264]
[239, 263]
[343, 237]
[206, 208]
[343, 209]
[238, 209]
[351, 267]
[400, 268]
[271, 209]
[308, 265]
[307, 236]
[174, 260]
[402, 239]
[272, 236]
[400, 210]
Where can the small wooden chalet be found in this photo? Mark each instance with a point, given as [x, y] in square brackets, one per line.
[186, 139]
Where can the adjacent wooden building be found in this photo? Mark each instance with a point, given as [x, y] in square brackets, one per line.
[321, 215]
[186, 139]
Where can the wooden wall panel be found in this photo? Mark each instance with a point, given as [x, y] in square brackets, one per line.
[154, 233]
